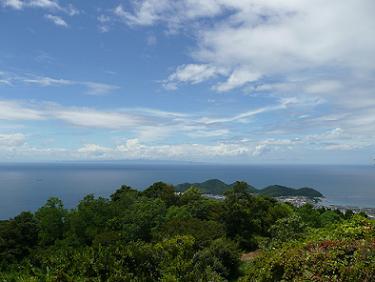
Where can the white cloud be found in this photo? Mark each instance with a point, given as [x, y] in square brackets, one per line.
[51, 5]
[275, 36]
[10, 110]
[271, 145]
[46, 81]
[341, 147]
[94, 150]
[238, 78]
[5, 78]
[139, 119]
[93, 88]
[173, 13]
[104, 23]
[98, 119]
[103, 19]
[145, 128]
[325, 86]
[146, 13]
[196, 133]
[329, 135]
[148, 123]
[256, 39]
[103, 28]
[241, 117]
[244, 150]
[85, 117]
[191, 73]
[56, 20]
[46, 4]
[260, 150]
[71, 10]
[154, 133]
[134, 149]
[15, 4]
[5, 82]
[12, 140]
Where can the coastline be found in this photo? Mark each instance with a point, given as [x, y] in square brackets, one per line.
[324, 203]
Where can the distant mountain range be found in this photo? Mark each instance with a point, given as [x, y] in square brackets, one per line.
[218, 187]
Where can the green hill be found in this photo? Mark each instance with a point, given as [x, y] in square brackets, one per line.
[218, 187]
[279, 191]
[211, 186]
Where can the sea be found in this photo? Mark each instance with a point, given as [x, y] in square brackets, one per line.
[26, 187]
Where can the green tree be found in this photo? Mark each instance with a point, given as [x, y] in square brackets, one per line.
[122, 192]
[204, 231]
[163, 191]
[286, 229]
[222, 256]
[191, 195]
[18, 237]
[329, 217]
[89, 219]
[141, 219]
[309, 215]
[51, 218]
[178, 213]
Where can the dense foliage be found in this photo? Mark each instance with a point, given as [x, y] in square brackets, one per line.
[339, 252]
[160, 235]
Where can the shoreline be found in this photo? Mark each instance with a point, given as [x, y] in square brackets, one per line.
[322, 202]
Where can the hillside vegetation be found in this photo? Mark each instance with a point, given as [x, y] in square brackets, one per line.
[218, 187]
[158, 235]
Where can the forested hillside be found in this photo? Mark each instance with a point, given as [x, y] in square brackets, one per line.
[158, 235]
[218, 187]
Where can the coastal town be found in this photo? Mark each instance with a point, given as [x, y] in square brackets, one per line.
[299, 201]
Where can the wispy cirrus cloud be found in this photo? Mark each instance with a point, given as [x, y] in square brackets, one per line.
[97, 88]
[193, 74]
[12, 140]
[43, 80]
[149, 129]
[141, 119]
[14, 110]
[92, 87]
[104, 23]
[173, 13]
[59, 21]
[51, 5]
[98, 119]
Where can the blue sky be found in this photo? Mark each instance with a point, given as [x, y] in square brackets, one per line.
[237, 81]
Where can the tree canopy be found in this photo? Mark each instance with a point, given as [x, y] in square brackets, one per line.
[160, 235]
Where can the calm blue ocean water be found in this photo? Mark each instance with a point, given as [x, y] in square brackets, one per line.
[28, 186]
